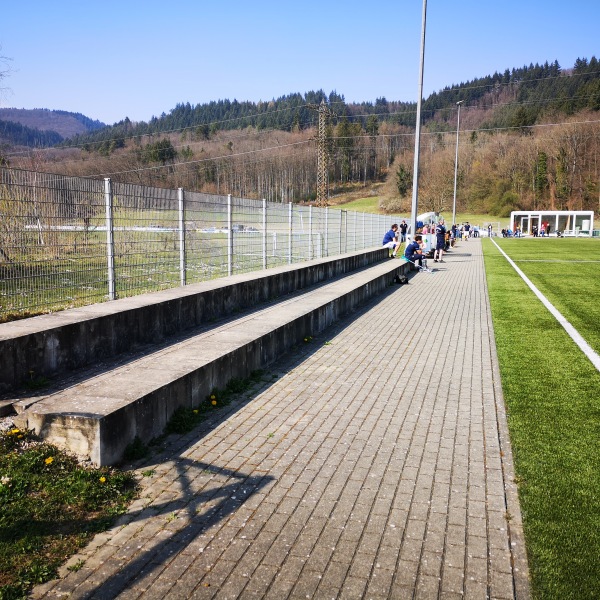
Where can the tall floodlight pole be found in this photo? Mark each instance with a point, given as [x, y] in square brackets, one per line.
[415, 191]
[456, 164]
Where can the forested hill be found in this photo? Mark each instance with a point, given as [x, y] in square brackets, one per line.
[20, 135]
[517, 98]
[523, 96]
[294, 111]
[40, 127]
[514, 98]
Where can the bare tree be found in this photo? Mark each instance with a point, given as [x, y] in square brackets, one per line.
[4, 72]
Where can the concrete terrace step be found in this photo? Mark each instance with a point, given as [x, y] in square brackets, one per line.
[97, 418]
[52, 344]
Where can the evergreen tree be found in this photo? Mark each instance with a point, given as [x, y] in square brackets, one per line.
[541, 176]
[403, 181]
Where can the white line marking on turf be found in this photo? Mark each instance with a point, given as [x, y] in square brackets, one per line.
[557, 260]
[575, 335]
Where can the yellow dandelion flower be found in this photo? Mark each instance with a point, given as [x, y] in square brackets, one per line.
[213, 397]
[213, 402]
[49, 460]
[102, 479]
[195, 411]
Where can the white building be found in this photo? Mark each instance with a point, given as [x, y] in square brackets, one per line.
[567, 222]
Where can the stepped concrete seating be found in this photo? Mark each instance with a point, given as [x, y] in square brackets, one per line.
[149, 355]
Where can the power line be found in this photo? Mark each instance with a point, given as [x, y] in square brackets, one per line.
[191, 162]
[347, 138]
[386, 115]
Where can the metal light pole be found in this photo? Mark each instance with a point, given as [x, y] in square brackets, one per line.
[415, 190]
[456, 164]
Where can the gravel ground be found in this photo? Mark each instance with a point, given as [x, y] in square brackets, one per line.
[5, 423]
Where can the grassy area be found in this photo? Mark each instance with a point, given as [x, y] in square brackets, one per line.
[49, 507]
[371, 205]
[476, 219]
[565, 271]
[552, 394]
[365, 205]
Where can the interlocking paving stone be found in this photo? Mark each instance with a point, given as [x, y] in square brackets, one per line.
[375, 465]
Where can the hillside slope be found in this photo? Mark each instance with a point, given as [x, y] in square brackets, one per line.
[64, 123]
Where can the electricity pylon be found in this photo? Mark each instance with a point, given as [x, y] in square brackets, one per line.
[322, 154]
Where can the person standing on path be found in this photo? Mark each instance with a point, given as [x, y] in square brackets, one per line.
[403, 230]
[440, 241]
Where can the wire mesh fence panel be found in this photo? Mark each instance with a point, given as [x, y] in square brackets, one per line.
[52, 242]
[69, 241]
[335, 223]
[246, 231]
[206, 236]
[300, 233]
[146, 238]
[317, 236]
[278, 235]
[352, 232]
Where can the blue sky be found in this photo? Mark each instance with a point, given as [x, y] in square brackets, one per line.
[111, 59]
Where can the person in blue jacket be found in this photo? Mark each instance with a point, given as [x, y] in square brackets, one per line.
[390, 239]
[414, 253]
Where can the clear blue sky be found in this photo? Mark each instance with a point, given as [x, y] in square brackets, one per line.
[110, 59]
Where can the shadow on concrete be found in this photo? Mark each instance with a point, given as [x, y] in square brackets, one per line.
[196, 512]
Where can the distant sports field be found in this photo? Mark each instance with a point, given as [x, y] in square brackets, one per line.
[552, 394]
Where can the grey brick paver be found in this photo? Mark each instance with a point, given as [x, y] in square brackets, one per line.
[375, 466]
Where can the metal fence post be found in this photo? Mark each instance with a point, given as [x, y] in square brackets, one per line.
[346, 232]
[110, 239]
[264, 238]
[364, 244]
[290, 231]
[326, 249]
[310, 247]
[182, 265]
[373, 229]
[229, 237]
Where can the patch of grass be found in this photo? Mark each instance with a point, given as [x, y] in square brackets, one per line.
[77, 566]
[36, 382]
[477, 219]
[49, 507]
[186, 419]
[552, 394]
[363, 205]
[136, 450]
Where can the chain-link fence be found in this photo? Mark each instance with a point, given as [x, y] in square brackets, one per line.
[71, 241]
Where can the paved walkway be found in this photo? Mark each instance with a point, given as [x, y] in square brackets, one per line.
[377, 465]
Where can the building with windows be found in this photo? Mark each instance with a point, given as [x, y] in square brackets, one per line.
[565, 222]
